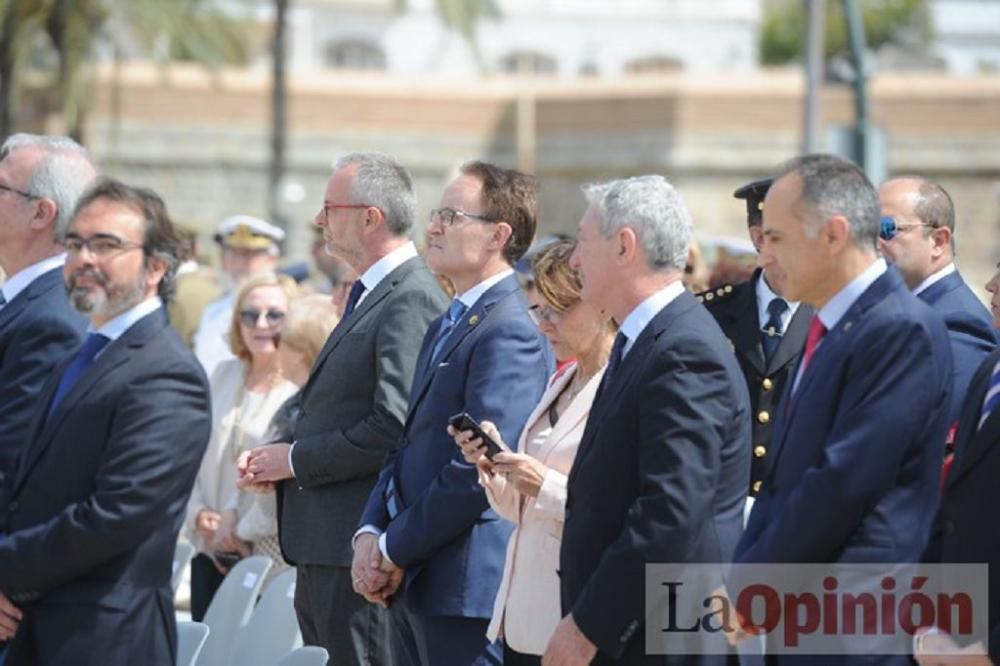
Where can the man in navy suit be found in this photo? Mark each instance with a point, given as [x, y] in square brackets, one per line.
[959, 535]
[918, 238]
[116, 440]
[41, 178]
[860, 432]
[428, 542]
[661, 472]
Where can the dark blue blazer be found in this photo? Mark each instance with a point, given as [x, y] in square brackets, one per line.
[38, 328]
[858, 447]
[660, 476]
[970, 332]
[960, 533]
[494, 366]
[97, 502]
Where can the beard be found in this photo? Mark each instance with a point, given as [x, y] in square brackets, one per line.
[106, 299]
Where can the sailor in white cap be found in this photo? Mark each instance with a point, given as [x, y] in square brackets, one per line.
[248, 246]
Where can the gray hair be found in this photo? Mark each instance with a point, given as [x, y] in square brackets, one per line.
[654, 209]
[381, 181]
[63, 174]
[833, 186]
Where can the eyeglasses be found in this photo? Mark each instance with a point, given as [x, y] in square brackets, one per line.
[540, 313]
[889, 228]
[251, 317]
[99, 245]
[446, 216]
[13, 190]
[327, 207]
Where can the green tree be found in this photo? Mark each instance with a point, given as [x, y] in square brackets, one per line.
[886, 21]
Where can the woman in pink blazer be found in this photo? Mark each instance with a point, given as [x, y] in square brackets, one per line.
[529, 488]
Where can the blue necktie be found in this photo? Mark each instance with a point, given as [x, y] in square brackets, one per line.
[3, 300]
[614, 360]
[992, 398]
[94, 343]
[771, 334]
[357, 289]
[452, 317]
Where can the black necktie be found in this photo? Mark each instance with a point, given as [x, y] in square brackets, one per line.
[614, 360]
[771, 334]
[357, 289]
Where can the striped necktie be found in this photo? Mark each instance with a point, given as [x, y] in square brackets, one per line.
[992, 398]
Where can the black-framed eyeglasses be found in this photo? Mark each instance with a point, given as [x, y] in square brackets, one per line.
[99, 245]
[13, 190]
[251, 317]
[446, 216]
[889, 228]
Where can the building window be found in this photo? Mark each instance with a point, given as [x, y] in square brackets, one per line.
[354, 54]
[528, 62]
[656, 64]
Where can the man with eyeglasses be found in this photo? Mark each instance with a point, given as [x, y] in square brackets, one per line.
[427, 524]
[41, 178]
[917, 236]
[248, 246]
[118, 433]
[353, 405]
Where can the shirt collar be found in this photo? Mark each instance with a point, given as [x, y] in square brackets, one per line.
[637, 320]
[387, 264]
[935, 277]
[116, 327]
[18, 282]
[470, 297]
[831, 313]
[764, 297]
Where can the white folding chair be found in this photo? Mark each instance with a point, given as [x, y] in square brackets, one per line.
[190, 640]
[183, 552]
[230, 608]
[310, 655]
[273, 629]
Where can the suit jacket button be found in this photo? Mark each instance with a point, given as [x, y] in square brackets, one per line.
[759, 451]
[763, 418]
[756, 486]
[767, 384]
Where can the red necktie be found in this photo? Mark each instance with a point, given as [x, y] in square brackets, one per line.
[816, 332]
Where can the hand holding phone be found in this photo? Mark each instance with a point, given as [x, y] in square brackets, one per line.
[464, 422]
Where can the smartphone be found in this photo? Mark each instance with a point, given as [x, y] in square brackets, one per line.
[227, 559]
[463, 421]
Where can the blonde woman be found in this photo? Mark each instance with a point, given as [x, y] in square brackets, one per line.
[246, 392]
[529, 488]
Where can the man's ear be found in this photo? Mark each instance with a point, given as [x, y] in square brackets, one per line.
[941, 238]
[628, 245]
[46, 212]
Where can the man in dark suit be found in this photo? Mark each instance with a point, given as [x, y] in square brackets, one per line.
[41, 178]
[118, 433]
[427, 523]
[918, 238]
[353, 404]
[661, 473]
[860, 434]
[959, 535]
[766, 331]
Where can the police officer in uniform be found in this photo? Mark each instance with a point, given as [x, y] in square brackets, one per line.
[767, 333]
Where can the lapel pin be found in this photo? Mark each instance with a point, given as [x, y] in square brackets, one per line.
[847, 326]
[473, 320]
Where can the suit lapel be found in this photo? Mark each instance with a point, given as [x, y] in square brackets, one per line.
[346, 325]
[115, 354]
[936, 291]
[39, 286]
[745, 322]
[973, 443]
[793, 340]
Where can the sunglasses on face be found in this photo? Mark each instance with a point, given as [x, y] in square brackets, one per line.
[251, 318]
[889, 228]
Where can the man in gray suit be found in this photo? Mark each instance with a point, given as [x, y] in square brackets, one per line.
[353, 405]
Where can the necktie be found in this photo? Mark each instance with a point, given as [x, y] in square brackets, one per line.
[992, 398]
[816, 332]
[452, 317]
[353, 297]
[94, 343]
[614, 360]
[771, 335]
[3, 300]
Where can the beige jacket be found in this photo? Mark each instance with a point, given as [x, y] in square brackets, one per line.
[527, 607]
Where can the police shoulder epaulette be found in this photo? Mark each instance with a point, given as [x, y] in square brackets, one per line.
[712, 296]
